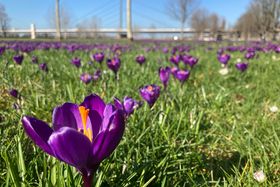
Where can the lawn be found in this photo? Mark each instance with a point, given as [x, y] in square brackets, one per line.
[214, 129]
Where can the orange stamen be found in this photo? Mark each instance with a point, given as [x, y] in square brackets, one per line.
[150, 88]
[84, 114]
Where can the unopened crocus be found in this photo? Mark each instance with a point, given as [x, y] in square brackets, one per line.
[164, 75]
[150, 93]
[224, 58]
[182, 75]
[34, 59]
[175, 59]
[97, 75]
[190, 60]
[249, 55]
[174, 70]
[114, 64]
[14, 93]
[277, 49]
[98, 57]
[86, 78]
[43, 67]
[18, 59]
[128, 105]
[76, 62]
[241, 66]
[2, 50]
[82, 135]
[140, 59]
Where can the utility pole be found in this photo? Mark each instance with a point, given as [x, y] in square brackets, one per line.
[121, 20]
[121, 12]
[128, 19]
[57, 13]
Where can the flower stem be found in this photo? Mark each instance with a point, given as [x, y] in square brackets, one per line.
[87, 180]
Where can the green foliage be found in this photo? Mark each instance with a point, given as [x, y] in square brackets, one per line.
[215, 130]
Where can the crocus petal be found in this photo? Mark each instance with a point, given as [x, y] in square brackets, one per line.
[129, 105]
[108, 139]
[95, 122]
[39, 132]
[67, 115]
[71, 146]
[94, 102]
[118, 104]
[108, 116]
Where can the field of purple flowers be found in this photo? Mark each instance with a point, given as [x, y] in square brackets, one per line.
[139, 114]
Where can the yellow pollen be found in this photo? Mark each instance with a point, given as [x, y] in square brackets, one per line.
[84, 114]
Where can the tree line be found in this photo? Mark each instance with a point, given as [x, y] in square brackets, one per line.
[261, 19]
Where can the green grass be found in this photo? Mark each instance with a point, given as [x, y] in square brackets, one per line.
[212, 131]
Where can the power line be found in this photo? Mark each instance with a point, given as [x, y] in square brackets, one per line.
[152, 8]
[150, 18]
[113, 21]
[91, 12]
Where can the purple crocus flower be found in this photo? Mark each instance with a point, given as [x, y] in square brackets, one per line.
[182, 75]
[165, 50]
[140, 59]
[224, 58]
[150, 93]
[190, 60]
[76, 61]
[175, 59]
[277, 49]
[2, 50]
[164, 75]
[14, 93]
[173, 70]
[114, 64]
[44, 67]
[241, 66]
[86, 78]
[249, 55]
[128, 105]
[174, 50]
[34, 59]
[18, 59]
[220, 51]
[98, 57]
[82, 135]
[97, 75]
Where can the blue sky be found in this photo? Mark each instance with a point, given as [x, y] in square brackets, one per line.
[145, 12]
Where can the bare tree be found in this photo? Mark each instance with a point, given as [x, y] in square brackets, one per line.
[223, 24]
[4, 20]
[267, 13]
[65, 18]
[247, 24]
[92, 23]
[181, 10]
[202, 21]
[214, 24]
[262, 17]
[199, 21]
